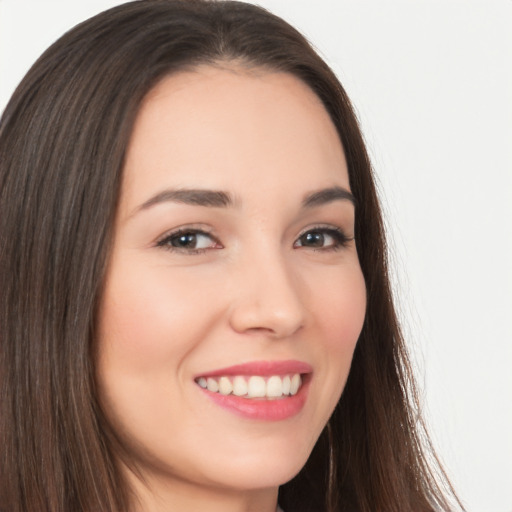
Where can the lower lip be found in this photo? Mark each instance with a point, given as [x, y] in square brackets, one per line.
[260, 408]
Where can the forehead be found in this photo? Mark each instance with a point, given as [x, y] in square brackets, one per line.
[233, 129]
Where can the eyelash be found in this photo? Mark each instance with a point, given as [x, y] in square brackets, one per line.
[340, 240]
[165, 242]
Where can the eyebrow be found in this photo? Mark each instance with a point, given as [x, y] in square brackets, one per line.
[328, 195]
[197, 197]
[221, 199]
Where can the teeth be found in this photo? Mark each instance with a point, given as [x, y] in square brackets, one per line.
[240, 386]
[274, 386]
[212, 385]
[286, 385]
[295, 384]
[255, 386]
[225, 386]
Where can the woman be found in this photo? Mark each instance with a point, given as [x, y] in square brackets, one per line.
[196, 313]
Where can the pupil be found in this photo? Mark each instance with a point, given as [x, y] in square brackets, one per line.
[185, 240]
[315, 239]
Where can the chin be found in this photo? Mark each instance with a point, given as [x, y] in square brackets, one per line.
[262, 468]
[270, 474]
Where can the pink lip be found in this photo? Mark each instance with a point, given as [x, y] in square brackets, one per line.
[263, 368]
[263, 409]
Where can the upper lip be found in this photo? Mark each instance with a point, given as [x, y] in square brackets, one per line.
[263, 368]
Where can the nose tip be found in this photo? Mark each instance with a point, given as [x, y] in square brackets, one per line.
[267, 302]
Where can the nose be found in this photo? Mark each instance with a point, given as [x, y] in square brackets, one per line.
[267, 299]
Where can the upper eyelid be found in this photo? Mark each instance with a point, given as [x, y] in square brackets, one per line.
[328, 230]
[340, 238]
[185, 229]
[324, 227]
[162, 242]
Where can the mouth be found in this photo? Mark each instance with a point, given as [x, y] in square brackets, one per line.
[268, 391]
[253, 387]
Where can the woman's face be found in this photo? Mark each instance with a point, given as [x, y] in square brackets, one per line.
[233, 267]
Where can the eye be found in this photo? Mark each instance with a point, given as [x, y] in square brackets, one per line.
[323, 239]
[188, 240]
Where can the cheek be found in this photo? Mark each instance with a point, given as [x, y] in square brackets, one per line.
[342, 310]
[340, 316]
[149, 323]
[149, 319]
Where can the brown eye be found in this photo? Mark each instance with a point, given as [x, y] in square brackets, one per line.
[322, 238]
[188, 240]
[313, 239]
[184, 241]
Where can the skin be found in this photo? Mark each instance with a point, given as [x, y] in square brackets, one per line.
[255, 291]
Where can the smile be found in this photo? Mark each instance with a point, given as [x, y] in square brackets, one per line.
[253, 387]
[260, 390]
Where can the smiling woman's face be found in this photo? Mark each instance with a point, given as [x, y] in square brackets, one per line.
[234, 296]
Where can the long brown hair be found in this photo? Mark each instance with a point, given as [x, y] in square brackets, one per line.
[63, 139]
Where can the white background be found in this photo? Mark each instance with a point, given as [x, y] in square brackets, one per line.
[432, 83]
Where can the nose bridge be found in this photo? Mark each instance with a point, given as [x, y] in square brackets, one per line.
[267, 296]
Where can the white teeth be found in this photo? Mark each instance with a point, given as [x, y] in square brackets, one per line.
[295, 384]
[255, 386]
[225, 386]
[239, 386]
[274, 386]
[286, 385]
[212, 385]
